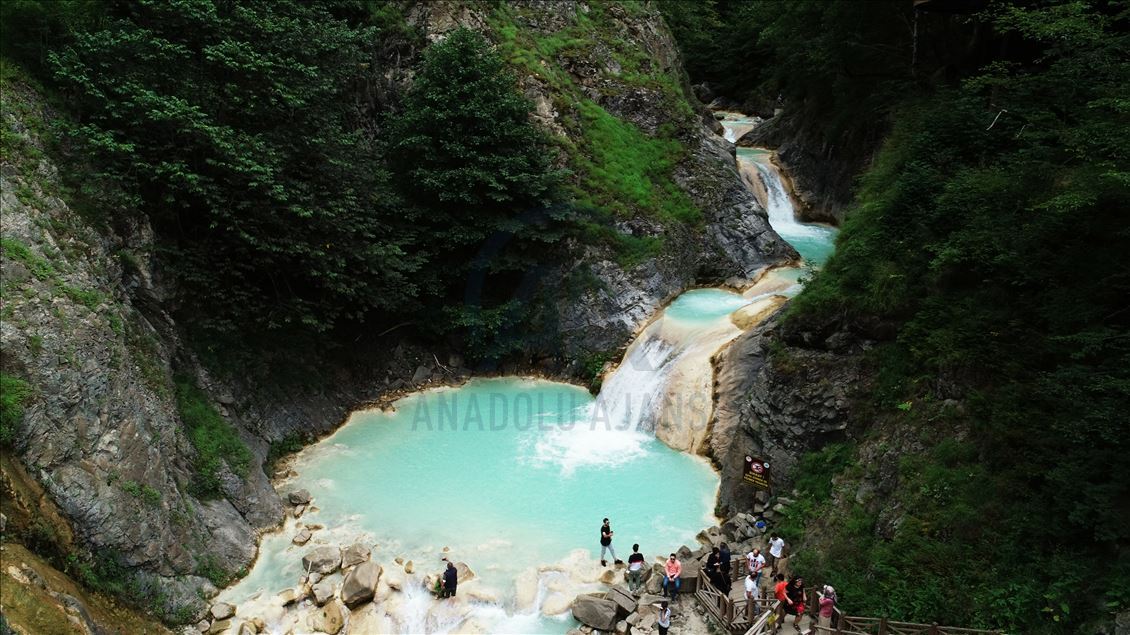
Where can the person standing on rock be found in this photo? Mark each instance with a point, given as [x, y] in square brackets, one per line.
[664, 622]
[450, 580]
[606, 544]
[672, 576]
[635, 569]
[776, 548]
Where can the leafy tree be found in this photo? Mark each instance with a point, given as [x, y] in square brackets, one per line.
[467, 155]
[237, 127]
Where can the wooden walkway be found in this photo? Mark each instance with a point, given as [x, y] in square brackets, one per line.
[739, 616]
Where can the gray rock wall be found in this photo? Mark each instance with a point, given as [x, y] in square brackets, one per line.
[777, 399]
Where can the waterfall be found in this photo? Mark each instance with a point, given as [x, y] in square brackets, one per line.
[663, 386]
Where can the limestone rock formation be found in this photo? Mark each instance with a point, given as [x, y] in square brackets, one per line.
[360, 584]
[595, 612]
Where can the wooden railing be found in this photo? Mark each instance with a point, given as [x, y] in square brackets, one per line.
[852, 625]
[737, 616]
[763, 616]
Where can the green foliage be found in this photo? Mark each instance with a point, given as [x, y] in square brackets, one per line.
[235, 128]
[14, 392]
[216, 442]
[145, 492]
[209, 567]
[990, 234]
[623, 170]
[290, 443]
[464, 150]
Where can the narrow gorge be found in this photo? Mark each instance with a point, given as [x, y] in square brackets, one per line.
[303, 303]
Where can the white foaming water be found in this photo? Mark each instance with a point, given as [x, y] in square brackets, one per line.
[813, 241]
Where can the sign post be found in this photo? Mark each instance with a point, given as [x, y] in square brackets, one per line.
[756, 473]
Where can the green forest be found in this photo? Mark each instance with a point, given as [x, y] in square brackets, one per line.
[986, 250]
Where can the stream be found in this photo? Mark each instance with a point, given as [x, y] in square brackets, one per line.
[513, 475]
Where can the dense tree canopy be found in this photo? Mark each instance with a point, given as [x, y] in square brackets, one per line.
[236, 126]
[991, 235]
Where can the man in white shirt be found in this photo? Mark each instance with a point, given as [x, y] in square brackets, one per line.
[756, 563]
[752, 594]
[776, 548]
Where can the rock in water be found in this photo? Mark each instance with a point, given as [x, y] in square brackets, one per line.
[219, 626]
[464, 572]
[324, 560]
[409, 567]
[354, 554]
[329, 619]
[595, 612]
[301, 497]
[322, 592]
[222, 611]
[302, 537]
[360, 584]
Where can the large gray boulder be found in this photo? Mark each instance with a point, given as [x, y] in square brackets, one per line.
[360, 584]
[354, 554]
[595, 612]
[623, 599]
[324, 560]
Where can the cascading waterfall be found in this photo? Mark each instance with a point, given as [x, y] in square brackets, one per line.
[512, 475]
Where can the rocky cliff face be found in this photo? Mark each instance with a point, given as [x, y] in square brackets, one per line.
[625, 62]
[779, 394]
[823, 173]
[102, 456]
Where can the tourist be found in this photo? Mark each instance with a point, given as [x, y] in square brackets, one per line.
[780, 592]
[755, 564]
[752, 593]
[794, 594]
[606, 544]
[725, 556]
[714, 568]
[776, 548]
[450, 580]
[635, 570]
[827, 606]
[672, 572]
[664, 618]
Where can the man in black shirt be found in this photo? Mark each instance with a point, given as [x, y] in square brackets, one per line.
[635, 569]
[606, 543]
[450, 580]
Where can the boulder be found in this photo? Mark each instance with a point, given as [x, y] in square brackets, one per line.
[621, 628]
[328, 619]
[595, 612]
[219, 626]
[322, 592]
[354, 554]
[464, 572]
[247, 628]
[290, 596]
[302, 537]
[203, 625]
[623, 599]
[300, 497]
[409, 567]
[221, 611]
[360, 584]
[299, 510]
[395, 579]
[643, 620]
[324, 560]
